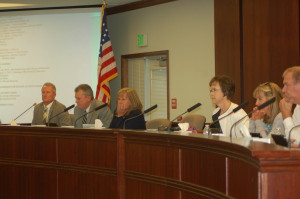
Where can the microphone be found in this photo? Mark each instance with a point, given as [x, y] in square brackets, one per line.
[242, 105]
[188, 110]
[25, 111]
[150, 109]
[270, 101]
[146, 111]
[65, 110]
[99, 107]
[95, 109]
[289, 136]
[68, 108]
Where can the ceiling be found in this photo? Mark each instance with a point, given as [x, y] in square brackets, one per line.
[26, 4]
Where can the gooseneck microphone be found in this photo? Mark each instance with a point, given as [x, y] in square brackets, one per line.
[146, 111]
[289, 135]
[65, 110]
[188, 110]
[25, 111]
[270, 101]
[242, 105]
[150, 109]
[95, 109]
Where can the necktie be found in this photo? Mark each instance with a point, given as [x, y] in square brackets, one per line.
[84, 119]
[45, 114]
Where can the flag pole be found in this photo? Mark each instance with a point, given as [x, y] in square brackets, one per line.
[107, 69]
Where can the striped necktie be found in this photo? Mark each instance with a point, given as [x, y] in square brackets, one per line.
[84, 119]
[45, 114]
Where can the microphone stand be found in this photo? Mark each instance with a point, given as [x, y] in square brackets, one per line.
[25, 111]
[188, 110]
[65, 110]
[243, 105]
[96, 109]
[230, 135]
[289, 136]
[146, 111]
[270, 101]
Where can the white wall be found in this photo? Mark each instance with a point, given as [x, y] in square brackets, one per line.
[186, 29]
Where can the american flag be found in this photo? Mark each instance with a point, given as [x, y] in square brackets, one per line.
[107, 69]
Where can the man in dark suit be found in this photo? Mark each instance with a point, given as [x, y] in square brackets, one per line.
[44, 111]
[86, 103]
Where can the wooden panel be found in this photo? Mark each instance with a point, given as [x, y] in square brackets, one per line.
[88, 152]
[84, 185]
[209, 170]
[151, 155]
[270, 41]
[154, 160]
[228, 60]
[28, 147]
[27, 183]
[280, 185]
[150, 166]
[136, 189]
[242, 180]
[137, 164]
[255, 41]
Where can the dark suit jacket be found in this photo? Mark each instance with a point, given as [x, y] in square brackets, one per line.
[56, 108]
[103, 114]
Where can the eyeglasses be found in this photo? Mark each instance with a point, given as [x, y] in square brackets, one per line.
[270, 93]
[213, 90]
[267, 84]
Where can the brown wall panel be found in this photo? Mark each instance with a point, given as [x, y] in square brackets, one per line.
[270, 41]
[227, 42]
[255, 41]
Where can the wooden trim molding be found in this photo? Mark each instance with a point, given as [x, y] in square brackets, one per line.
[135, 6]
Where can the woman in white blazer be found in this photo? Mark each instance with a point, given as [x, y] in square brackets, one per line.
[222, 90]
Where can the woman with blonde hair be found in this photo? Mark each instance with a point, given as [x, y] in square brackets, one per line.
[269, 118]
[129, 113]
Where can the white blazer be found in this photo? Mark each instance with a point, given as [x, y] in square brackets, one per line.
[241, 129]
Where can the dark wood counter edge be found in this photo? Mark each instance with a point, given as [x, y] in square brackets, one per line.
[178, 185]
[57, 132]
[258, 154]
[264, 157]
